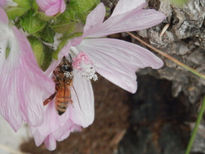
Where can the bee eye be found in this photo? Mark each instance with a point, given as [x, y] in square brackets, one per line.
[66, 68]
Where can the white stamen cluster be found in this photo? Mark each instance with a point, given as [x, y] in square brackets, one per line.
[88, 71]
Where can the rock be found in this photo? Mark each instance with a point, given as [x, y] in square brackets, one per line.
[157, 120]
[184, 40]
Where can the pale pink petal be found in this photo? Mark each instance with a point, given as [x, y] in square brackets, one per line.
[62, 6]
[59, 127]
[3, 17]
[118, 60]
[95, 17]
[82, 109]
[59, 135]
[52, 121]
[124, 6]
[50, 143]
[43, 4]
[53, 9]
[131, 21]
[2, 2]
[23, 86]
[34, 86]
[64, 131]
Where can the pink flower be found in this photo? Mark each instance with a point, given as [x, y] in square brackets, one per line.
[79, 114]
[2, 3]
[23, 86]
[114, 59]
[52, 7]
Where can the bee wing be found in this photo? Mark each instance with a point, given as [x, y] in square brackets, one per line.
[82, 110]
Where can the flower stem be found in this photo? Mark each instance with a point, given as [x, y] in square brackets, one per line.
[193, 135]
[168, 57]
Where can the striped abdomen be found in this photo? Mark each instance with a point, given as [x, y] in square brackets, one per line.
[63, 98]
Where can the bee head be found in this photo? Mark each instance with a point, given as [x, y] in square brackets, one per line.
[66, 68]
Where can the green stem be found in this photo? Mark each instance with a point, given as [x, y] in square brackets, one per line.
[193, 135]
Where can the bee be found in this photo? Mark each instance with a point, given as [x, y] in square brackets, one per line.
[63, 78]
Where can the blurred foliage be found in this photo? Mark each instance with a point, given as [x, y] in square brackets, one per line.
[31, 23]
[38, 50]
[178, 3]
[42, 28]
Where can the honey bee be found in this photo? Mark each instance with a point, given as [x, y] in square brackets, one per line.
[63, 78]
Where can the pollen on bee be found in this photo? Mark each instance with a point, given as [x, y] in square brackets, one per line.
[68, 75]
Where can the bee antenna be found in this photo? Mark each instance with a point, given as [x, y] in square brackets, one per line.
[70, 58]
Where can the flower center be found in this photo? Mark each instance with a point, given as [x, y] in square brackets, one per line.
[82, 63]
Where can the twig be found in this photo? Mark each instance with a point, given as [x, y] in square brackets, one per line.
[168, 57]
[164, 30]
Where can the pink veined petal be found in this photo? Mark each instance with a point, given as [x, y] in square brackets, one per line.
[38, 75]
[82, 109]
[35, 86]
[131, 21]
[63, 132]
[53, 9]
[52, 122]
[118, 60]
[2, 2]
[95, 17]
[50, 143]
[59, 127]
[124, 6]
[9, 102]
[44, 4]
[62, 6]
[3, 17]
[22, 83]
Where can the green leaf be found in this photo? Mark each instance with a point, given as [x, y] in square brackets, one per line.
[14, 12]
[64, 27]
[44, 17]
[81, 8]
[179, 3]
[24, 3]
[47, 57]
[38, 50]
[47, 34]
[35, 6]
[75, 14]
[76, 11]
[31, 23]
[8, 49]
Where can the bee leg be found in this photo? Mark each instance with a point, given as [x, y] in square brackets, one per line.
[49, 99]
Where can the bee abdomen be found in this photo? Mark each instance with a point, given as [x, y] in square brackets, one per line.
[61, 107]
